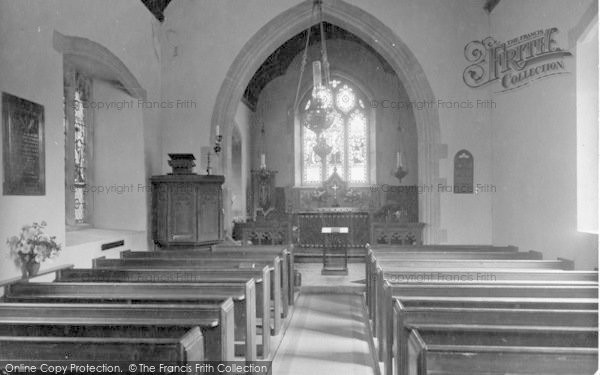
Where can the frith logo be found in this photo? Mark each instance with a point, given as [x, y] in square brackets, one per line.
[516, 62]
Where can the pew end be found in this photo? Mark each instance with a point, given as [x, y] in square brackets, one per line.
[567, 264]
[193, 344]
[98, 260]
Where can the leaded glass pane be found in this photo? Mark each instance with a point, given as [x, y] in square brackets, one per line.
[78, 131]
[357, 147]
[345, 99]
[324, 95]
[79, 134]
[79, 207]
[336, 139]
[311, 162]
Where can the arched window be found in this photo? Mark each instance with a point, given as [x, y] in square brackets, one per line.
[348, 138]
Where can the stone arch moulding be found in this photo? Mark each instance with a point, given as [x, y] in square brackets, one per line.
[385, 42]
[107, 64]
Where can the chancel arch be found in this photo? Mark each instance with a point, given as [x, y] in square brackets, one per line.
[381, 39]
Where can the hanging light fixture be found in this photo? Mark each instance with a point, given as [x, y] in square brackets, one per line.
[319, 115]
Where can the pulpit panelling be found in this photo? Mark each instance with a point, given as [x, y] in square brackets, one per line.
[186, 210]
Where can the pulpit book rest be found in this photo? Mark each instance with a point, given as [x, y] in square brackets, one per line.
[335, 250]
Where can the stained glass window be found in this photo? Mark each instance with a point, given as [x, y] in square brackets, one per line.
[347, 138]
[77, 140]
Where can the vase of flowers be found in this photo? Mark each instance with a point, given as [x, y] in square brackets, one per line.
[31, 247]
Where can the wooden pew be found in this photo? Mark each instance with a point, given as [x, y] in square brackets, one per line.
[397, 275]
[501, 335]
[103, 263]
[474, 264]
[490, 276]
[392, 257]
[117, 320]
[503, 302]
[244, 297]
[493, 290]
[374, 279]
[429, 354]
[261, 278]
[181, 350]
[288, 253]
[405, 316]
[460, 247]
[389, 291]
[472, 254]
[488, 289]
[468, 268]
[244, 254]
[461, 261]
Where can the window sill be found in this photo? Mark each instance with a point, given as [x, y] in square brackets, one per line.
[87, 235]
[73, 228]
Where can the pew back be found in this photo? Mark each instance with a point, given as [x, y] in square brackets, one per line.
[177, 350]
[475, 359]
[215, 321]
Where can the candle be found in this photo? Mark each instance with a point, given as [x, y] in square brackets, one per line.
[218, 130]
[263, 164]
[398, 160]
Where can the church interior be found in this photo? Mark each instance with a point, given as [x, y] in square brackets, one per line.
[327, 186]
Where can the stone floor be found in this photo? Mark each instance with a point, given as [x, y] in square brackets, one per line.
[314, 282]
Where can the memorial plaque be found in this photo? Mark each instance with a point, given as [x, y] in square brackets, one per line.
[463, 172]
[23, 146]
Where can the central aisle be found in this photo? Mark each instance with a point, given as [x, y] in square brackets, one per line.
[326, 336]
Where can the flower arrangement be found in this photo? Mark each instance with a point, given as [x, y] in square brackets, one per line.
[32, 246]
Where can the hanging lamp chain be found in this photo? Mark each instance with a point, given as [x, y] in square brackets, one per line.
[323, 43]
[304, 60]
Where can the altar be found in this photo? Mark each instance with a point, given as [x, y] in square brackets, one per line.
[308, 225]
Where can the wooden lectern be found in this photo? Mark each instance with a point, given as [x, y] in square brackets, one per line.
[335, 250]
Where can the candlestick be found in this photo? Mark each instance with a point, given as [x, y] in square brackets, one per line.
[263, 163]
[208, 168]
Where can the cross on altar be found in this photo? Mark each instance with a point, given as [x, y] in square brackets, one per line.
[335, 188]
